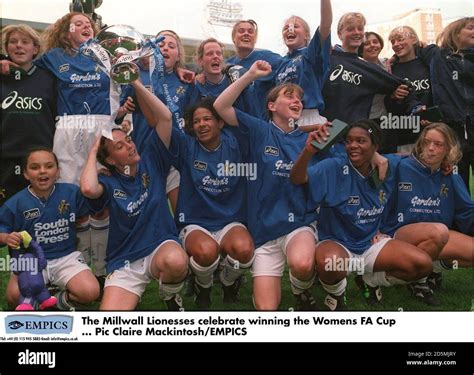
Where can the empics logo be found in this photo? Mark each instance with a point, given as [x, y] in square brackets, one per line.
[38, 324]
[37, 358]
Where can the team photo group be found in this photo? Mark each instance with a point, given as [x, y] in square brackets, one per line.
[130, 180]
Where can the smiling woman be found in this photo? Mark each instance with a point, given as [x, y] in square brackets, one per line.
[28, 97]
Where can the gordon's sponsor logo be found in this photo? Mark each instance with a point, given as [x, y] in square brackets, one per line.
[84, 78]
[31, 214]
[428, 202]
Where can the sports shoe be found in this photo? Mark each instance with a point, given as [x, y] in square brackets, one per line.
[336, 303]
[305, 301]
[422, 291]
[231, 292]
[372, 294]
[175, 303]
[203, 297]
[435, 281]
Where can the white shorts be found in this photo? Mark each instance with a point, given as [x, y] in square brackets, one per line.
[172, 181]
[134, 277]
[59, 271]
[217, 235]
[73, 139]
[311, 117]
[270, 258]
[362, 263]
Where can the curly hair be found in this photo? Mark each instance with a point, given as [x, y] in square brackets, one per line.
[57, 34]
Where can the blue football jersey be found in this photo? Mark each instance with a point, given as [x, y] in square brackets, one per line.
[212, 190]
[426, 196]
[140, 219]
[350, 210]
[51, 222]
[83, 87]
[276, 207]
[307, 67]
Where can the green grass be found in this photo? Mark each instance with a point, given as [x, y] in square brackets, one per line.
[458, 294]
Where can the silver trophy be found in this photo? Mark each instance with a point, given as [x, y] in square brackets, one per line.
[117, 48]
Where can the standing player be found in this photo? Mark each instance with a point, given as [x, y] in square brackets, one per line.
[350, 218]
[452, 77]
[88, 102]
[47, 210]
[28, 98]
[244, 37]
[307, 62]
[425, 195]
[211, 203]
[406, 64]
[143, 244]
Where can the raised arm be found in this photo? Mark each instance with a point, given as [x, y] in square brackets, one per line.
[299, 172]
[155, 111]
[326, 19]
[90, 186]
[227, 98]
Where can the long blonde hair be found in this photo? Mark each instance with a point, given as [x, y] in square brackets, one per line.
[453, 154]
[57, 34]
[449, 37]
[181, 57]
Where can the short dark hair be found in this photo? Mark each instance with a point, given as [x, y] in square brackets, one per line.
[103, 152]
[360, 50]
[207, 103]
[288, 88]
[371, 127]
[38, 149]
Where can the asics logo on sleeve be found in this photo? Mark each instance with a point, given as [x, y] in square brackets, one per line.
[346, 75]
